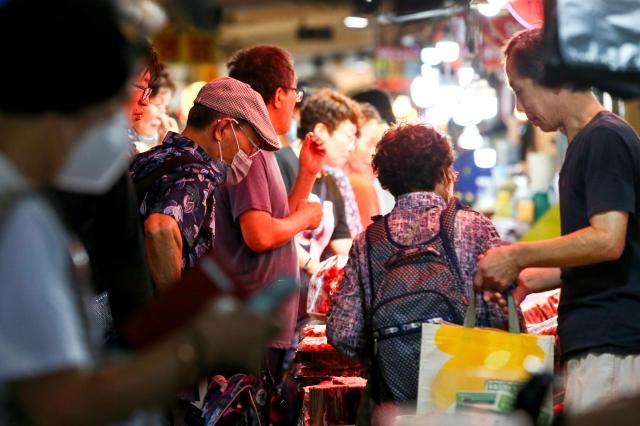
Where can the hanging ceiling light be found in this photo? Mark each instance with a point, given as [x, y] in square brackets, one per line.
[489, 9]
[465, 75]
[430, 56]
[470, 138]
[485, 158]
[401, 106]
[448, 51]
[356, 22]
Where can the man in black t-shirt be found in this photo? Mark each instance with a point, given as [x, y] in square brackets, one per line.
[597, 258]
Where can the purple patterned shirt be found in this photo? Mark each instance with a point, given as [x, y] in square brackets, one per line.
[186, 194]
[351, 210]
[414, 219]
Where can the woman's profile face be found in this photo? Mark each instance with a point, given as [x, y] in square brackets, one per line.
[149, 122]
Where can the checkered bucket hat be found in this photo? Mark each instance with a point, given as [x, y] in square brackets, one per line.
[237, 99]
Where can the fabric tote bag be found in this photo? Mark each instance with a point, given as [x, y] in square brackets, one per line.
[464, 369]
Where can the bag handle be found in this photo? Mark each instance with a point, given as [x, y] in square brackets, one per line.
[514, 323]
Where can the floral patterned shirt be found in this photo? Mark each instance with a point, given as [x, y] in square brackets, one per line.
[186, 194]
[350, 204]
[414, 219]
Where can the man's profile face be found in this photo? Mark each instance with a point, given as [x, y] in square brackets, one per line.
[281, 117]
[536, 101]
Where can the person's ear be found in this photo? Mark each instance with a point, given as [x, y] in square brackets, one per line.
[278, 98]
[217, 128]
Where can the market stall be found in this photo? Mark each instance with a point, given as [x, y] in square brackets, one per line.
[330, 382]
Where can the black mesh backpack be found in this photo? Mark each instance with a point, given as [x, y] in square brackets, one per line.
[410, 285]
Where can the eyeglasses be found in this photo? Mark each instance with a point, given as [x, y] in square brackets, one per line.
[146, 92]
[351, 137]
[299, 93]
[256, 148]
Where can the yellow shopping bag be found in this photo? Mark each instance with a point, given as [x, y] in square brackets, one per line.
[464, 368]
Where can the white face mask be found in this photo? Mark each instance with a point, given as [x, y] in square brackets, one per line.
[240, 165]
[98, 158]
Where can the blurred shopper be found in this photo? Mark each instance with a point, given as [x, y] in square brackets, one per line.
[414, 163]
[226, 128]
[335, 119]
[380, 100]
[288, 163]
[156, 122]
[255, 220]
[363, 181]
[596, 261]
[49, 368]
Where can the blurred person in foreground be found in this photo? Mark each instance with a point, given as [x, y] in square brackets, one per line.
[227, 127]
[414, 163]
[596, 261]
[256, 220]
[50, 373]
[104, 216]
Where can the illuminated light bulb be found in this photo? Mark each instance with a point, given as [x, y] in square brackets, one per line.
[356, 22]
[423, 92]
[465, 75]
[430, 56]
[485, 158]
[470, 138]
[489, 9]
[448, 51]
[488, 106]
[401, 106]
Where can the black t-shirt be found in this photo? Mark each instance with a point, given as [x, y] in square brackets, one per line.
[289, 165]
[332, 194]
[600, 304]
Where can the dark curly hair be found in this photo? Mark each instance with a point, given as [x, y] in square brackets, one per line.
[264, 68]
[329, 107]
[412, 158]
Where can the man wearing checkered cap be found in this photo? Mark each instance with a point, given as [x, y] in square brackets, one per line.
[257, 219]
[227, 127]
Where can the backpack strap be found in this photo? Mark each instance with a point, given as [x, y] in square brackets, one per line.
[447, 232]
[142, 185]
[374, 234]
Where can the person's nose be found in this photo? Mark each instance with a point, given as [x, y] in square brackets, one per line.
[143, 102]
